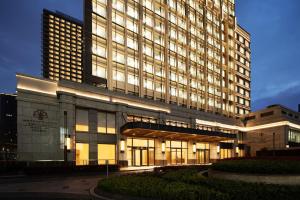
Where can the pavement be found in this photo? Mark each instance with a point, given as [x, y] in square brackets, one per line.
[48, 187]
[54, 186]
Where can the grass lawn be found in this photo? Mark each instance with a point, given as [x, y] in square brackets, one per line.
[190, 184]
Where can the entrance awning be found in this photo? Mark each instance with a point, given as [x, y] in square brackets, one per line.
[149, 130]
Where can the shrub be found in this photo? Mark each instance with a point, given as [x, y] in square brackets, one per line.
[155, 187]
[258, 166]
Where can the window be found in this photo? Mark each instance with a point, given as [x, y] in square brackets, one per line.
[82, 120]
[118, 57]
[118, 5]
[118, 76]
[106, 152]
[106, 123]
[133, 79]
[132, 11]
[117, 37]
[99, 9]
[82, 154]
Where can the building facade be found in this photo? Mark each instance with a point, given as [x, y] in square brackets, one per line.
[273, 128]
[62, 47]
[8, 127]
[243, 71]
[178, 52]
[89, 125]
[163, 83]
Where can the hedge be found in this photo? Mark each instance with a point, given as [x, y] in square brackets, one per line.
[258, 166]
[189, 184]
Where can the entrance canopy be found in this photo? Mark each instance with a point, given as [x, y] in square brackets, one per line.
[149, 130]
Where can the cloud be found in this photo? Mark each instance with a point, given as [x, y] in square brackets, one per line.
[290, 97]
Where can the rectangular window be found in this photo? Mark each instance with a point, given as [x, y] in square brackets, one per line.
[106, 152]
[82, 120]
[82, 154]
[106, 123]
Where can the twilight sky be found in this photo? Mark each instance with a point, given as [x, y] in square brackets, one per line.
[274, 26]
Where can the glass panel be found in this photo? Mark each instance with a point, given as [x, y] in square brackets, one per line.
[137, 157]
[82, 154]
[168, 156]
[176, 144]
[111, 123]
[129, 156]
[151, 143]
[151, 156]
[129, 142]
[107, 152]
[140, 143]
[184, 156]
[173, 157]
[82, 120]
[144, 157]
[101, 122]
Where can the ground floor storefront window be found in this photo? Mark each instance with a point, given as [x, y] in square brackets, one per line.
[140, 152]
[176, 152]
[225, 153]
[82, 154]
[202, 153]
[106, 153]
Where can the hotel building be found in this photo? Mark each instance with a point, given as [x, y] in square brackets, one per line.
[62, 47]
[164, 83]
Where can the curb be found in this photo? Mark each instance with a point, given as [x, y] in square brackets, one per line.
[96, 196]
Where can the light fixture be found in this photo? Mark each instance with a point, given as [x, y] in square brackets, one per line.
[68, 143]
[163, 147]
[237, 149]
[287, 146]
[218, 149]
[122, 146]
[194, 148]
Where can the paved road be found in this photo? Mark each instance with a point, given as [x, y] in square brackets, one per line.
[51, 187]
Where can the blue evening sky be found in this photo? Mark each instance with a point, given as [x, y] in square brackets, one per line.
[274, 26]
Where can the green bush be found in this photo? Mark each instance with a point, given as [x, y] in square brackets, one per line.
[157, 188]
[258, 166]
[189, 184]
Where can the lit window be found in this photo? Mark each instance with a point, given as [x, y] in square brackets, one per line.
[132, 11]
[106, 123]
[133, 79]
[118, 76]
[106, 153]
[119, 5]
[82, 124]
[82, 154]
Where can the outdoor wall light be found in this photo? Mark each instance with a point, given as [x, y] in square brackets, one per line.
[194, 148]
[163, 147]
[218, 149]
[237, 150]
[287, 146]
[122, 146]
[68, 143]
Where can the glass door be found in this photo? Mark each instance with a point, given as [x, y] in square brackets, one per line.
[176, 157]
[136, 157]
[144, 157]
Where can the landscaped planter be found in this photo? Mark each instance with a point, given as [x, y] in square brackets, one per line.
[256, 178]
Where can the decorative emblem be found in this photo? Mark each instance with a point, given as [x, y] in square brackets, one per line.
[40, 114]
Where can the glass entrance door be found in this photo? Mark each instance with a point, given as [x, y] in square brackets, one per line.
[202, 156]
[175, 156]
[136, 157]
[140, 157]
